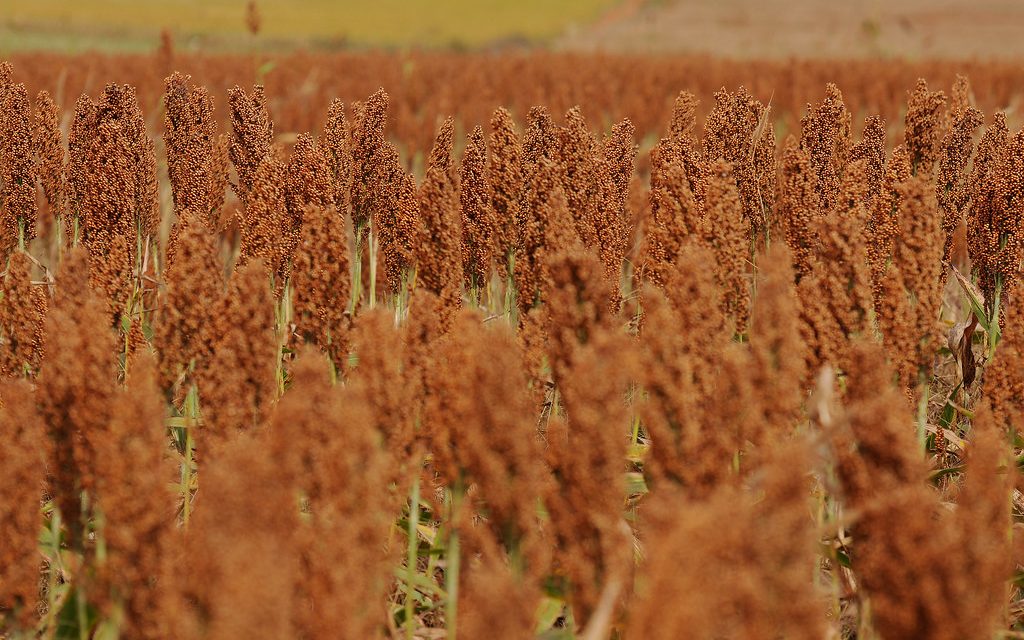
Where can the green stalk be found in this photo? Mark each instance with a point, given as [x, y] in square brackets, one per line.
[451, 574]
[373, 269]
[357, 274]
[922, 411]
[51, 579]
[410, 558]
[510, 290]
[993, 322]
[282, 316]
[81, 613]
[635, 436]
[191, 413]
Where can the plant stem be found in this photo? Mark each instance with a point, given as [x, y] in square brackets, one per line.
[373, 269]
[922, 412]
[191, 413]
[357, 274]
[81, 613]
[451, 574]
[993, 322]
[410, 558]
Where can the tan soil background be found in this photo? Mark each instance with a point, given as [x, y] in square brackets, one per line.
[810, 28]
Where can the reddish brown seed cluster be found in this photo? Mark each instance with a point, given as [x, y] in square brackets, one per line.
[335, 463]
[17, 169]
[21, 319]
[478, 224]
[48, 147]
[321, 282]
[884, 480]
[740, 131]
[76, 387]
[504, 173]
[367, 144]
[252, 133]
[708, 398]
[194, 284]
[24, 458]
[439, 249]
[196, 156]
[133, 472]
[239, 386]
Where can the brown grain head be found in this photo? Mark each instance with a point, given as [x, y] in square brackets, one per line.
[825, 138]
[577, 156]
[21, 319]
[395, 217]
[797, 207]
[924, 123]
[871, 148]
[17, 168]
[133, 473]
[728, 233]
[504, 173]
[366, 143]
[336, 142]
[242, 561]
[482, 432]
[196, 162]
[252, 133]
[615, 163]
[321, 282]
[48, 147]
[479, 227]
[331, 457]
[24, 458]
[76, 386]
[694, 582]
[194, 280]
[836, 296]
[439, 250]
[239, 387]
[388, 380]
[779, 352]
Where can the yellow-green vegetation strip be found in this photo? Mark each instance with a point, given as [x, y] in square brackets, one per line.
[121, 24]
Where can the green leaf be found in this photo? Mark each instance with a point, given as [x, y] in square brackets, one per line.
[107, 630]
[635, 483]
[974, 296]
[68, 627]
[266, 68]
[548, 612]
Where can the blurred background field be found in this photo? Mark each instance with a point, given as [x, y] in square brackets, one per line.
[912, 29]
[133, 24]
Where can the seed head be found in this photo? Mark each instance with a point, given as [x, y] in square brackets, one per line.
[23, 458]
[252, 134]
[76, 386]
[825, 138]
[478, 223]
[439, 250]
[504, 174]
[21, 319]
[195, 283]
[366, 144]
[239, 386]
[196, 163]
[49, 152]
[924, 123]
[17, 169]
[322, 282]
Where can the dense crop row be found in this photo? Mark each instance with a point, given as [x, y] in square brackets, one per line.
[273, 385]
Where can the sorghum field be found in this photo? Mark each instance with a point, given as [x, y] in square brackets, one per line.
[510, 345]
